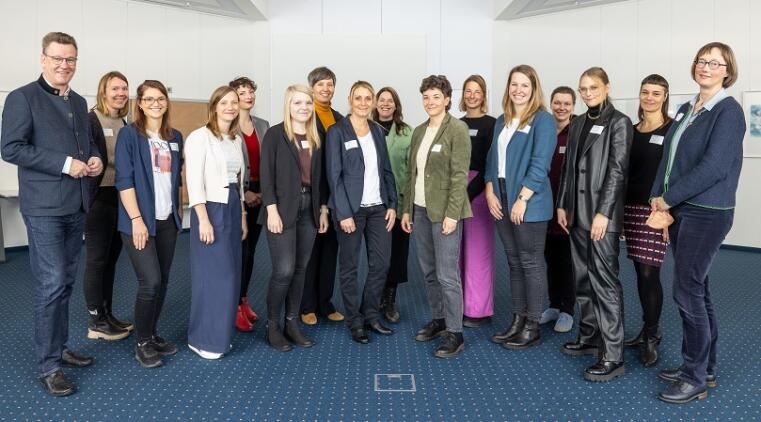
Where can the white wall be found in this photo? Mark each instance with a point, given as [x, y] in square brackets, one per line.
[190, 52]
[633, 39]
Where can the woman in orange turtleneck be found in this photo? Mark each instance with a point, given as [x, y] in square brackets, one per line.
[321, 271]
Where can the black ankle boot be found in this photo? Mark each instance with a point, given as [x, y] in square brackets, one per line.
[527, 337]
[293, 334]
[275, 338]
[387, 305]
[100, 328]
[513, 329]
[648, 350]
[640, 338]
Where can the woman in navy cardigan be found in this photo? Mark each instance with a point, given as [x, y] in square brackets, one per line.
[148, 162]
[697, 181]
[518, 184]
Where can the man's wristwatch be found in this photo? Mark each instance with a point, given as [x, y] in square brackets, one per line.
[522, 198]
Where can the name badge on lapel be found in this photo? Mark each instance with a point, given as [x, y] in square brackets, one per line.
[305, 145]
[436, 148]
[656, 139]
[561, 150]
[525, 129]
[473, 132]
[350, 144]
[679, 117]
[596, 129]
[108, 132]
[174, 146]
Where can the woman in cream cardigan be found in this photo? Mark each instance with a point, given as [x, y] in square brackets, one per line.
[214, 167]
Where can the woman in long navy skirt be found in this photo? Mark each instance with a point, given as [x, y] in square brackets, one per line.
[214, 166]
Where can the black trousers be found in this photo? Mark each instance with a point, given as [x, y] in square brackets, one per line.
[560, 282]
[362, 305]
[249, 247]
[102, 245]
[151, 265]
[290, 252]
[599, 292]
[321, 274]
[400, 251]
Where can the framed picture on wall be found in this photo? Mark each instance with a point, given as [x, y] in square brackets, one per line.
[752, 107]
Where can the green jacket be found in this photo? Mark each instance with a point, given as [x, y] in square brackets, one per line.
[446, 171]
[399, 154]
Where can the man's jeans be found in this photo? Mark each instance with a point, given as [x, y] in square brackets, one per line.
[55, 243]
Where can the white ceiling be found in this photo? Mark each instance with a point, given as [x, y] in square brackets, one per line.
[244, 9]
[516, 9]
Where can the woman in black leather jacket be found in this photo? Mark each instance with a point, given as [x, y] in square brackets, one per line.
[591, 208]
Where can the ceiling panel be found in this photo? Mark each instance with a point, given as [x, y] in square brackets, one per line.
[517, 9]
[244, 9]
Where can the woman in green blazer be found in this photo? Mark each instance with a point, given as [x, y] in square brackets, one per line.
[437, 197]
[388, 113]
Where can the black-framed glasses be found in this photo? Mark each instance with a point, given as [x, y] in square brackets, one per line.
[151, 100]
[713, 64]
[57, 60]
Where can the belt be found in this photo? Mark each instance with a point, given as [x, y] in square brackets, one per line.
[370, 205]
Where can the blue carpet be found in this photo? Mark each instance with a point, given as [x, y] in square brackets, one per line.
[335, 380]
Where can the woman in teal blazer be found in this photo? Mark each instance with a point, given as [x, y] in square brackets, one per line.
[518, 183]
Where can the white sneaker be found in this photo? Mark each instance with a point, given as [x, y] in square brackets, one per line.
[564, 323]
[550, 314]
[204, 354]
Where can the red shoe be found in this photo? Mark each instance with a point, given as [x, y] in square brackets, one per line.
[250, 314]
[241, 322]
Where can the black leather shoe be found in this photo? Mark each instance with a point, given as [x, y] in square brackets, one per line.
[101, 328]
[450, 346]
[359, 335]
[475, 322]
[673, 375]
[293, 334]
[377, 327]
[163, 347]
[56, 384]
[275, 338]
[640, 338]
[648, 351]
[604, 370]
[527, 337]
[73, 360]
[513, 329]
[147, 355]
[434, 328]
[680, 392]
[575, 348]
[387, 305]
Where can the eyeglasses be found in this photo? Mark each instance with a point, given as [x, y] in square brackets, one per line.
[713, 64]
[592, 90]
[151, 100]
[57, 60]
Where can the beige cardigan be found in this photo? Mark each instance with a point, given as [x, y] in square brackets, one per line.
[206, 168]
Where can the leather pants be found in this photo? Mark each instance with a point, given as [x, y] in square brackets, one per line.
[599, 292]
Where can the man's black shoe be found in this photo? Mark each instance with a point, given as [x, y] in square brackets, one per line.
[575, 348]
[359, 335]
[604, 370]
[73, 360]
[377, 327]
[147, 355]
[673, 375]
[56, 384]
[450, 346]
[434, 328]
[680, 392]
[163, 347]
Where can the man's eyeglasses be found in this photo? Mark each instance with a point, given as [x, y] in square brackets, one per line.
[57, 60]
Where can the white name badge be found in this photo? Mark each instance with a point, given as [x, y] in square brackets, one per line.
[305, 145]
[525, 129]
[351, 144]
[436, 148]
[561, 150]
[473, 132]
[679, 117]
[108, 132]
[174, 146]
[597, 129]
[656, 139]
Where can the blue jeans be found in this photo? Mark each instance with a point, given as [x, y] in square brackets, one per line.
[696, 235]
[54, 246]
